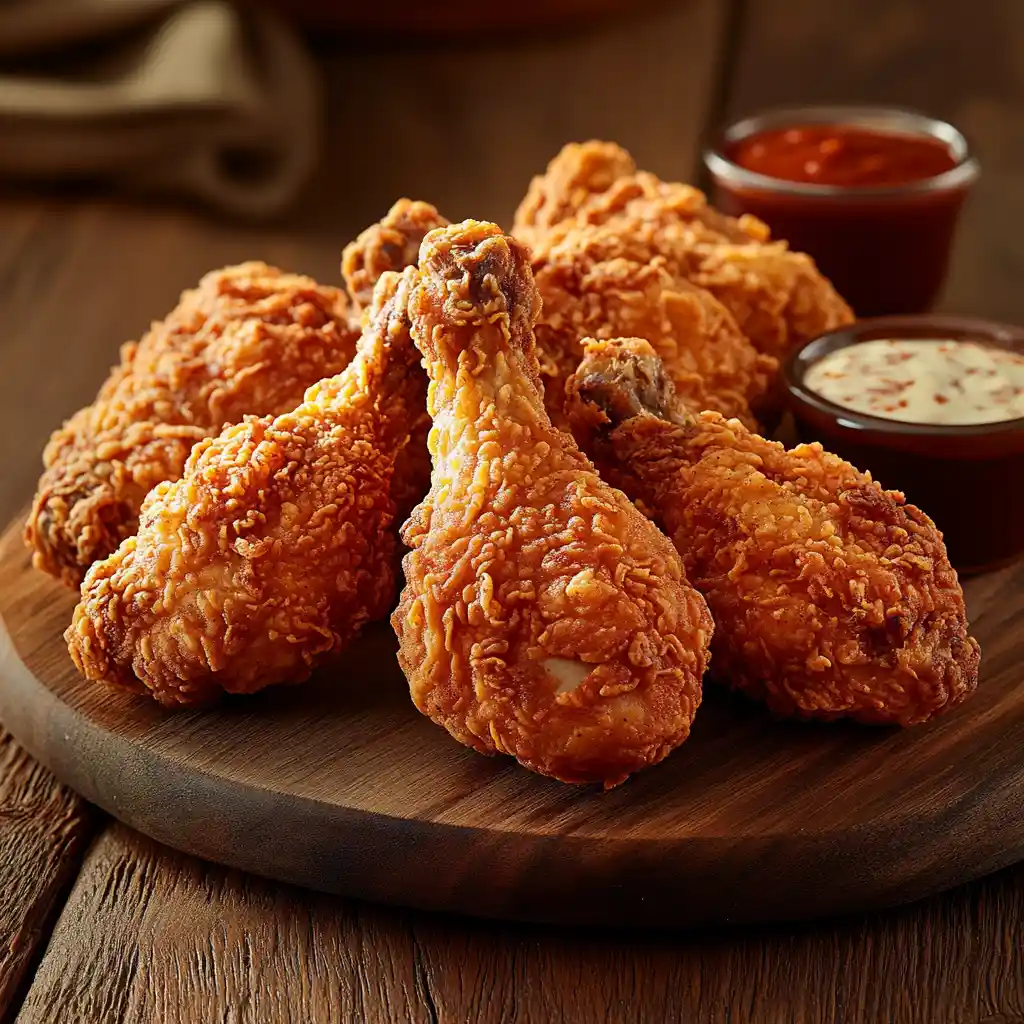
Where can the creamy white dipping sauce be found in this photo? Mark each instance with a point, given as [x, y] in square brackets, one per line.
[923, 380]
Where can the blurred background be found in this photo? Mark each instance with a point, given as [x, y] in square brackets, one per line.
[143, 142]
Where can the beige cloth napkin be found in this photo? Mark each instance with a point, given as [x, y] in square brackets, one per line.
[188, 96]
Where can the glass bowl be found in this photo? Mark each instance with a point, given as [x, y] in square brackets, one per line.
[969, 479]
[885, 248]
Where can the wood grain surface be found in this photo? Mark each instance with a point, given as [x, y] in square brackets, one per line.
[78, 275]
[43, 830]
[149, 935]
[750, 820]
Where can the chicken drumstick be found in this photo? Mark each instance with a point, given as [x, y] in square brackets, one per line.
[831, 596]
[543, 615]
[249, 339]
[274, 548]
[393, 243]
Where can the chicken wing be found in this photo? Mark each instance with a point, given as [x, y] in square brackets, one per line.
[831, 596]
[593, 282]
[249, 339]
[543, 615]
[274, 548]
[778, 297]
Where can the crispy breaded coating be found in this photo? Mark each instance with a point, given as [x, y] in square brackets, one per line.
[543, 615]
[593, 284]
[778, 297]
[249, 339]
[273, 549]
[831, 596]
[393, 244]
[579, 171]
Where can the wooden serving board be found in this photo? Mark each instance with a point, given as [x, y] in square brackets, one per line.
[341, 785]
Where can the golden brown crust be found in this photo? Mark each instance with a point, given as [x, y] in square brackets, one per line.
[831, 596]
[595, 282]
[578, 171]
[543, 615]
[392, 244]
[778, 297]
[273, 549]
[248, 339]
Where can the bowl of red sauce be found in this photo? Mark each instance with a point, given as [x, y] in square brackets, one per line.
[932, 406]
[872, 193]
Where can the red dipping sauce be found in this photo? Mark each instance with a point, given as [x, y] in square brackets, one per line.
[872, 194]
[841, 154]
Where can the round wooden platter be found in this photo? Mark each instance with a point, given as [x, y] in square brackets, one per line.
[341, 785]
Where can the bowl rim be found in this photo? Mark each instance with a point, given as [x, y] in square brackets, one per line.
[898, 120]
[926, 325]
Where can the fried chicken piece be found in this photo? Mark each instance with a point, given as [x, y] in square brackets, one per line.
[273, 549]
[543, 615]
[393, 244]
[579, 171]
[831, 596]
[778, 297]
[249, 339]
[591, 284]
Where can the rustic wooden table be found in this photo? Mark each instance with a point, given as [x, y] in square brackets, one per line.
[99, 924]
